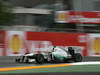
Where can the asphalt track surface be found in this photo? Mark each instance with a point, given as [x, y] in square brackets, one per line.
[7, 61]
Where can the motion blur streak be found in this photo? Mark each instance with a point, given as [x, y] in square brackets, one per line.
[33, 67]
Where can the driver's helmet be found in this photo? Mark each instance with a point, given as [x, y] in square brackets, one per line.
[70, 48]
[53, 48]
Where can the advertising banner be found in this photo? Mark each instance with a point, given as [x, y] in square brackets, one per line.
[92, 17]
[15, 43]
[44, 40]
[94, 44]
[2, 42]
[37, 46]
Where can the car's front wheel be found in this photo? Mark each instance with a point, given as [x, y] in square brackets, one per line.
[39, 58]
[77, 57]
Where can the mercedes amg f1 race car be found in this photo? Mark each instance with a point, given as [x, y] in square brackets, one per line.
[58, 54]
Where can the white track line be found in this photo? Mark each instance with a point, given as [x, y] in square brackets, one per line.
[87, 63]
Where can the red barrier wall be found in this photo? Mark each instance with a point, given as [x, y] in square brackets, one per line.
[14, 43]
[2, 43]
[60, 39]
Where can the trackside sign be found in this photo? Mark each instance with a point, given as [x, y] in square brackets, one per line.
[16, 43]
[92, 17]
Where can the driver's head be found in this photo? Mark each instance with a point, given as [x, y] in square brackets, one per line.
[53, 48]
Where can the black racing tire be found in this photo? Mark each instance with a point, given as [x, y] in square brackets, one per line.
[77, 57]
[39, 58]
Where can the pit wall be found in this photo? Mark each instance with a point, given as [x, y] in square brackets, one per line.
[14, 43]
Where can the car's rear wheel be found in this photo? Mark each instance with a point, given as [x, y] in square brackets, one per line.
[77, 57]
[39, 58]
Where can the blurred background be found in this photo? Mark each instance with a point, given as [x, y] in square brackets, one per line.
[42, 16]
[28, 25]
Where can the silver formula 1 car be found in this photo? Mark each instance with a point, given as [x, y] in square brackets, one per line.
[57, 54]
